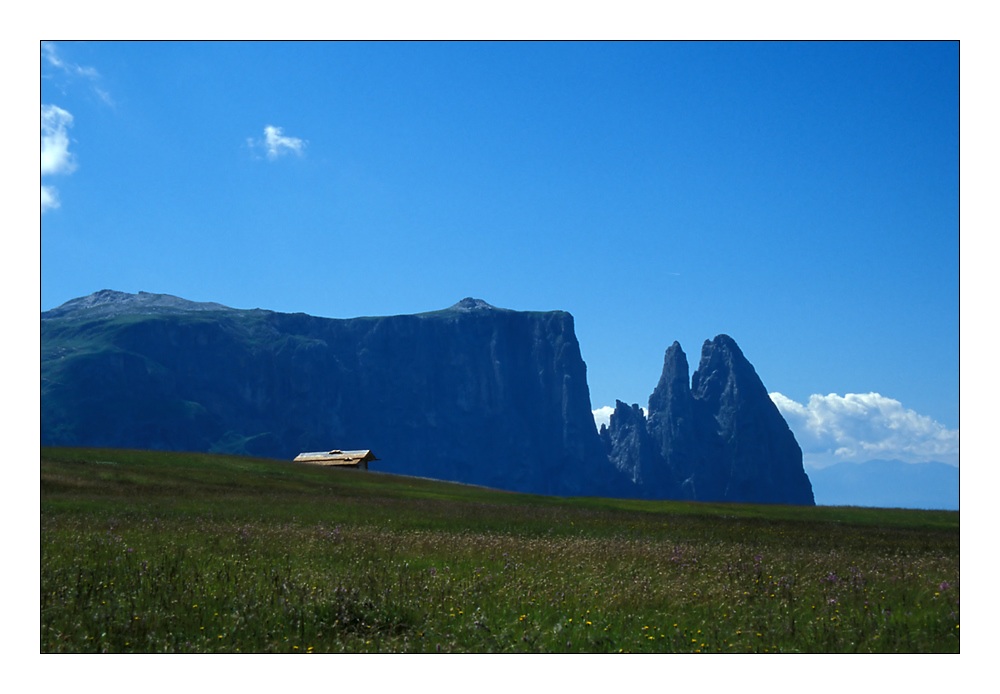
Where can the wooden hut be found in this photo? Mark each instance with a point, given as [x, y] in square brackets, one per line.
[337, 458]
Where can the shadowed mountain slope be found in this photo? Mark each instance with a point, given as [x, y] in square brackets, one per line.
[472, 393]
[719, 439]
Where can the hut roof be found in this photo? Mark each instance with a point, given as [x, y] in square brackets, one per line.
[336, 457]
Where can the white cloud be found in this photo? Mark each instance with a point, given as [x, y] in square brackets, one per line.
[73, 71]
[53, 58]
[276, 144]
[50, 198]
[858, 427]
[55, 157]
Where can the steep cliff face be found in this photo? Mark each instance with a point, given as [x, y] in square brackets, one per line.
[627, 444]
[718, 439]
[472, 393]
[672, 423]
[752, 455]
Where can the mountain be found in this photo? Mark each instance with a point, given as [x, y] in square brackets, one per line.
[887, 484]
[717, 438]
[472, 393]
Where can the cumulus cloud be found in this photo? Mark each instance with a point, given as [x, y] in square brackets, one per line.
[863, 426]
[55, 157]
[276, 143]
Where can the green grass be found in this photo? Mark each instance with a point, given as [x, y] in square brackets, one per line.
[165, 552]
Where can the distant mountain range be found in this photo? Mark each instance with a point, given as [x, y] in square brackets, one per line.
[887, 484]
[472, 393]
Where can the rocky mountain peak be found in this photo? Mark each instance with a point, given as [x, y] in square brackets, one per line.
[627, 443]
[471, 304]
[109, 302]
[674, 384]
[725, 374]
[716, 438]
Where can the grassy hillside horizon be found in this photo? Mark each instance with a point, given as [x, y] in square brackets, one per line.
[169, 552]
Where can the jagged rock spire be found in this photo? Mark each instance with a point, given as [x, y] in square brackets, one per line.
[752, 454]
[719, 438]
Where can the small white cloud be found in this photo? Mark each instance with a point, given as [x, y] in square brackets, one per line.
[863, 426]
[50, 198]
[276, 143]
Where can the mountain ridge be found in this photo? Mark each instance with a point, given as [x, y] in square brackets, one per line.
[472, 393]
[714, 437]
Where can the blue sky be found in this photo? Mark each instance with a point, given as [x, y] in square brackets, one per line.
[801, 197]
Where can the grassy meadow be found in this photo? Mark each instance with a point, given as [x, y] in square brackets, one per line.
[152, 552]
